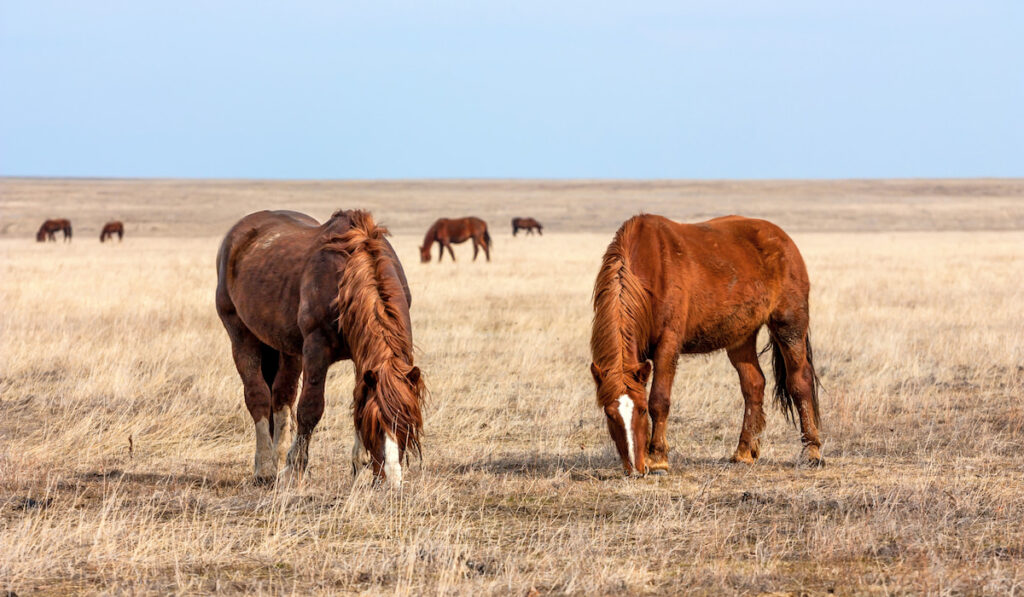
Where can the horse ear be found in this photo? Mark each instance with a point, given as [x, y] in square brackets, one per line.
[414, 376]
[596, 372]
[643, 372]
[370, 379]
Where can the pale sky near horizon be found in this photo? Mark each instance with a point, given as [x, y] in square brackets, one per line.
[390, 89]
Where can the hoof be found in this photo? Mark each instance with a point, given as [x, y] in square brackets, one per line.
[290, 477]
[812, 457]
[658, 468]
[742, 458]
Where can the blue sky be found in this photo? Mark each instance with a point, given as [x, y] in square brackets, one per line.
[384, 89]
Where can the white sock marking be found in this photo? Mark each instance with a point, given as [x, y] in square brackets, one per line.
[264, 465]
[626, 412]
[392, 465]
[284, 426]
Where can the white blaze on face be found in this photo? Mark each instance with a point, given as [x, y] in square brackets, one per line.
[392, 464]
[626, 412]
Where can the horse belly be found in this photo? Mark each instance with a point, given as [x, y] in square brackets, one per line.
[725, 326]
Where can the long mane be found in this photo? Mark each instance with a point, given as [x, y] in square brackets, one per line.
[622, 319]
[376, 329]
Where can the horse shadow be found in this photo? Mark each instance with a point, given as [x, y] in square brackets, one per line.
[578, 467]
[161, 479]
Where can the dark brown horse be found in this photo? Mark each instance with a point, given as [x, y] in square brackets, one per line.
[49, 229]
[296, 296]
[446, 231]
[666, 288]
[110, 229]
[527, 224]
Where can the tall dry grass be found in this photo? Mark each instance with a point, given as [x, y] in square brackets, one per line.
[126, 447]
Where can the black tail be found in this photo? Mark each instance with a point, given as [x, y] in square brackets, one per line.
[487, 238]
[783, 397]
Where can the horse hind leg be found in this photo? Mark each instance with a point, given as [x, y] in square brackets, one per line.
[744, 359]
[796, 383]
[248, 354]
[476, 248]
[283, 391]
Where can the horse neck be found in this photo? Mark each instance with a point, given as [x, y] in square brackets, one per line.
[430, 235]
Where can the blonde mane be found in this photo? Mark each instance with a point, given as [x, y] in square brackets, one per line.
[376, 329]
[622, 320]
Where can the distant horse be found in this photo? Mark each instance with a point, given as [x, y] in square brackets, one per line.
[527, 224]
[444, 232]
[110, 229]
[666, 288]
[49, 229]
[295, 297]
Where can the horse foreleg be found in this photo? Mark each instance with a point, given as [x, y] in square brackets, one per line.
[476, 248]
[744, 359]
[315, 360]
[658, 405]
[440, 251]
[450, 251]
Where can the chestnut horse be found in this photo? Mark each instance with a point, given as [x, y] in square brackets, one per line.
[527, 224]
[110, 229]
[446, 231]
[296, 296]
[666, 288]
[49, 229]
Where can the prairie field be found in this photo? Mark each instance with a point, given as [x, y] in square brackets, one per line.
[126, 450]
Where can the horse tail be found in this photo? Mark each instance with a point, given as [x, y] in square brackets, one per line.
[783, 398]
[487, 237]
[68, 230]
[622, 319]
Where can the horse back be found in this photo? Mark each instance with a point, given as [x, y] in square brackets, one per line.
[716, 282]
[260, 266]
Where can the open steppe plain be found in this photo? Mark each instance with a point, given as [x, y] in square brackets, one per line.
[126, 450]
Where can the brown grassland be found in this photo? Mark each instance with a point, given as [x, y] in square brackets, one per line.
[125, 448]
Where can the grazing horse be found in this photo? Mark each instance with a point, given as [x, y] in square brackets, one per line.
[446, 231]
[527, 224]
[110, 229]
[49, 229]
[296, 296]
[666, 288]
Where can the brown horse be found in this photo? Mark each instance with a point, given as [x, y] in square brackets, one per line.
[110, 229]
[445, 231]
[49, 229]
[295, 297]
[666, 288]
[527, 224]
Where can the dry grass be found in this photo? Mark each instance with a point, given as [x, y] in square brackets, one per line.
[919, 340]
